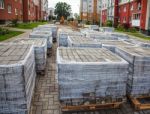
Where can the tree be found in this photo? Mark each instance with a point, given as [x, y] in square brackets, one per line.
[62, 9]
[76, 16]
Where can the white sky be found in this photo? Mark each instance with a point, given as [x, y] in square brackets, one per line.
[75, 4]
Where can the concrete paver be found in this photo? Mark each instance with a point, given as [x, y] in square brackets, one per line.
[45, 100]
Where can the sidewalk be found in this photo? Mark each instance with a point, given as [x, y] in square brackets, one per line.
[24, 35]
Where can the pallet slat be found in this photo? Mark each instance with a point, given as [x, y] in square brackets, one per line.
[91, 107]
[137, 104]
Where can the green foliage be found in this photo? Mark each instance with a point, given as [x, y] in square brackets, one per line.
[88, 22]
[62, 9]
[14, 22]
[76, 16]
[121, 28]
[109, 23]
[70, 19]
[125, 28]
[29, 25]
[4, 31]
[133, 30]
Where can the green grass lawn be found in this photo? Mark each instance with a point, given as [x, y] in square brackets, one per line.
[29, 25]
[136, 34]
[9, 35]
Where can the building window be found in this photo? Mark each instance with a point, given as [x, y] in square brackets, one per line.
[124, 9]
[1, 4]
[124, 20]
[16, 11]
[20, 12]
[132, 8]
[139, 6]
[9, 8]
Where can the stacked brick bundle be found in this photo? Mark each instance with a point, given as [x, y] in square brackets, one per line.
[63, 37]
[86, 71]
[54, 29]
[74, 41]
[43, 34]
[100, 35]
[40, 49]
[113, 44]
[139, 69]
[17, 78]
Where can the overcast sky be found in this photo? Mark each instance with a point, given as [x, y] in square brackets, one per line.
[75, 4]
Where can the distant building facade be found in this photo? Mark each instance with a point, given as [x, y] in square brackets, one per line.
[23, 10]
[130, 13]
[90, 10]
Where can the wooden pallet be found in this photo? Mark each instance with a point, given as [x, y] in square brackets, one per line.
[138, 103]
[90, 106]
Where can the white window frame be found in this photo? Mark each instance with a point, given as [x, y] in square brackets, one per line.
[9, 8]
[16, 11]
[2, 6]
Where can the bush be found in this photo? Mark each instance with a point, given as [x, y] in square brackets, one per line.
[120, 27]
[70, 19]
[14, 22]
[88, 23]
[4, 31]
[133, 30]
[109, 23]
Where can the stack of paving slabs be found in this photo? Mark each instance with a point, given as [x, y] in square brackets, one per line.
[147, 45]
[40, 49]
[100, 35]
[84, 42]
[63, 37]
[90, 71]
[112, 44]
[17, 78]
[120, 36]
[107, 29]
[139, 69]
[44, 35]
[53, 28]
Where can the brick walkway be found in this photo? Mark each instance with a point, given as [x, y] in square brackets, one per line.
[45, 100]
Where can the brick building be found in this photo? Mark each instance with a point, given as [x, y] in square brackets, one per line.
[11, 9]
[90, 10]
[130, 13]
[22, 10]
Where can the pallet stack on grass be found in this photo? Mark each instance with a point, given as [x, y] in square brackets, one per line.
[75, 41]
[43, 34]
[40, 50]
[17, 78]
[90, 75]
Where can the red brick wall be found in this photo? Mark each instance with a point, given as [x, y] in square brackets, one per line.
[4, 15]
[143, 14]
[116, 13]
[128, 15]
[104, 16]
